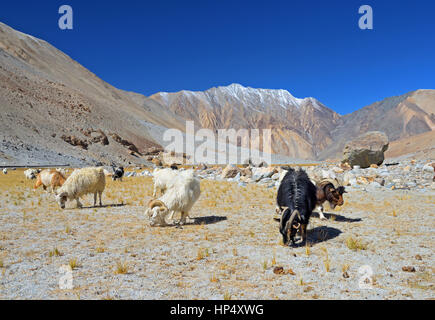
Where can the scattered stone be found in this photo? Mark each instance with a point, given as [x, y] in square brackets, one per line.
[230, 171]
[429, 168]
[74, 141]
[157, 162]
[408, 269]
[278, 270]
[418, 257]
[345, 275]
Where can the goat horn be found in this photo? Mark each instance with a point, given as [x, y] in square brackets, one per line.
[292, 217]
[156, 203]
[334, 182]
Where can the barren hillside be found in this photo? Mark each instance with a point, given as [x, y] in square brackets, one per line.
[55, 111]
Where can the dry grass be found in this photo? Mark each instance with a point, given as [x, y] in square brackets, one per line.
[73, 263]
[207, 260]
[355, 244]
[55, 253]
[121, 268]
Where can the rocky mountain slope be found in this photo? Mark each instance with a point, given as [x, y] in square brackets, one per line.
[300, 127]
[54, 111]
[399, 117]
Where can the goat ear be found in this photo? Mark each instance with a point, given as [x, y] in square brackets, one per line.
[341, 190]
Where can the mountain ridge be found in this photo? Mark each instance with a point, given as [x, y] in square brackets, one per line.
[45, 95]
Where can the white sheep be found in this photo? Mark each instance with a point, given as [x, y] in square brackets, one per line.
[63, 171]
[162, 179]
[31, 173]
[5, 171]
[180, 196]
[82, 182]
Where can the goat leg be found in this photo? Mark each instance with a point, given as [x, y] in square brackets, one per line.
[321, 215]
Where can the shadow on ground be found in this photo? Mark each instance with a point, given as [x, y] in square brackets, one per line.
[115, 205]
[208, 220]
[322, 234]
[318, 235]
[336, 217]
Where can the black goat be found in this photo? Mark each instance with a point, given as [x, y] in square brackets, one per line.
[296, 200]
[118, 173]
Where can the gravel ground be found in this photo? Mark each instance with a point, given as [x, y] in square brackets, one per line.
[231, 251]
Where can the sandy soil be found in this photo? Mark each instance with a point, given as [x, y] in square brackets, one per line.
[230, 252]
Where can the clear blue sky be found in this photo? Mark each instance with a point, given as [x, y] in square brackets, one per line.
[310, 48]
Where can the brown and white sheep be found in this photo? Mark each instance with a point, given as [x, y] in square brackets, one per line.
[82, 182]
[49, 178]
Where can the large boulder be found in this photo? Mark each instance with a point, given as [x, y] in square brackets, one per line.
[366, 150]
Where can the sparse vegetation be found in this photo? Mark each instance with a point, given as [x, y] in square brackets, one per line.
[234, 256]
[73, 263]
[121, 268]
[355, 244]
[55, 253]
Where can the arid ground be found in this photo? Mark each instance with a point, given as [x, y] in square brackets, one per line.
[232, 251]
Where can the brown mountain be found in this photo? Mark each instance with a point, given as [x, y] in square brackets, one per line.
[47, 99]
[399, 117]
[53, 110]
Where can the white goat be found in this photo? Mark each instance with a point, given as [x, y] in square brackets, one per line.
[181, 194]
[162, 179]
[80, 183]
[5, 171]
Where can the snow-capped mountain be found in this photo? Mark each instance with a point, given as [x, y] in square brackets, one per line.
[300, 127]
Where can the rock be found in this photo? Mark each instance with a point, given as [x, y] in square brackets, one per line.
[230, 171]
[247, 163]
[418, 257]
[157, 162]
[202, 166]
[380, 181]
[348, 176]
[411, 184]
[375, 185]
[275, 176]
[345, 166]
[154, 151]
[74, 141]
[246, 172]
[262, 164]
[366, 150]
[362, 180]
[375, 166]
[338, 170]
[408, 269]
[430, 168]
[345, 275]
[263, 172]
[237, 177]
[279, 270]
